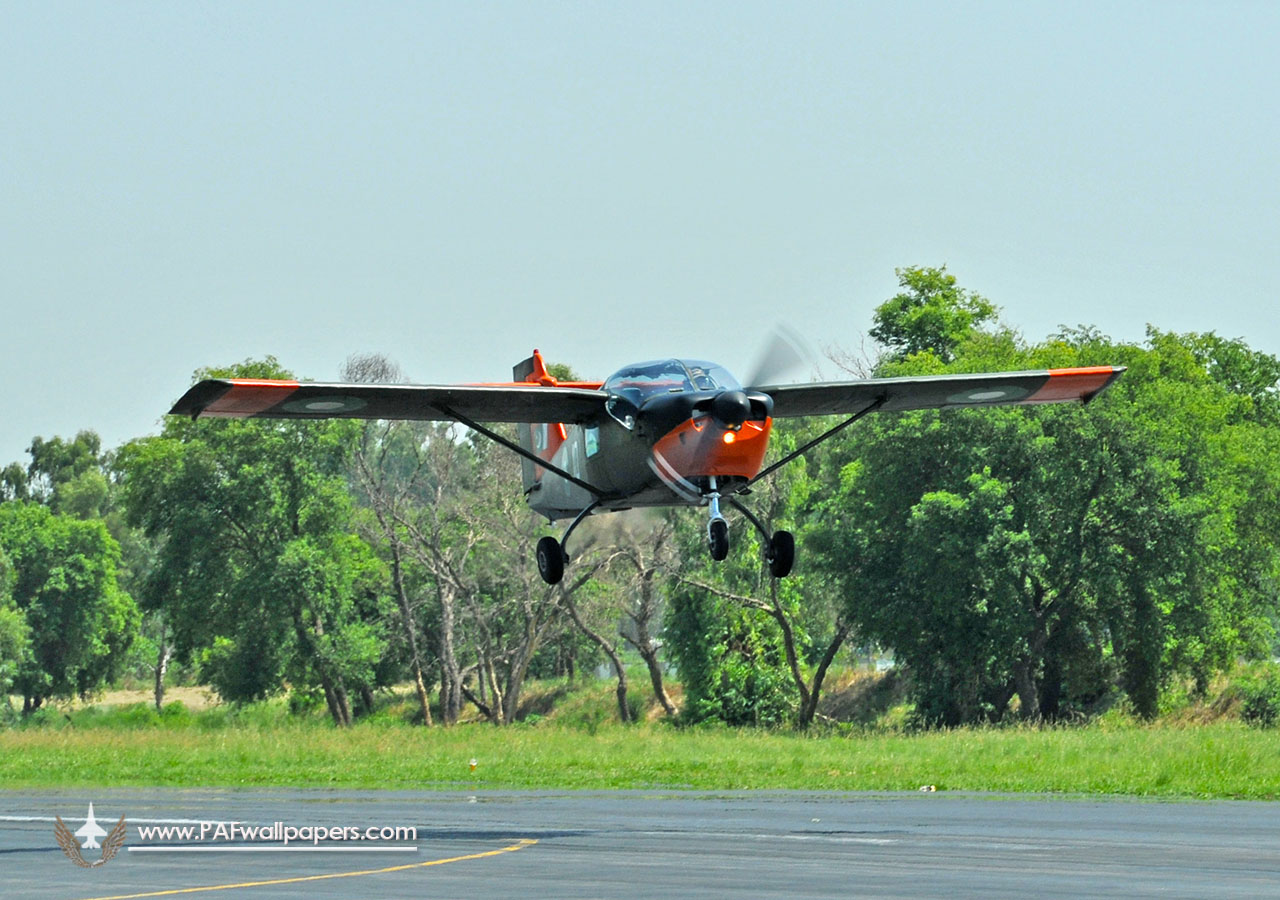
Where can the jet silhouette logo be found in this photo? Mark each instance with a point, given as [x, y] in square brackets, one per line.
[90, 831]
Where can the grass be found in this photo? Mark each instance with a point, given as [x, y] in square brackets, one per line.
[262, 746]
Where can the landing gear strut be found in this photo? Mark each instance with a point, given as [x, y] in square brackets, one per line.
[717, 527]
[552, 554]
[779, 549]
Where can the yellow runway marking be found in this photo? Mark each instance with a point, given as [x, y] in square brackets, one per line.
[249, 884]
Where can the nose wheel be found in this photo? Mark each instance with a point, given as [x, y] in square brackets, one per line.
[718, 538]
[717, 527]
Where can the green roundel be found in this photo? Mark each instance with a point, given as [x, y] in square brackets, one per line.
[324, 405]
[993, 394]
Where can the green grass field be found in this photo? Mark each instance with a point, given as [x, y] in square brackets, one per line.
[262, 747]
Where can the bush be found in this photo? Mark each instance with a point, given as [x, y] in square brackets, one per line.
[1261, 694]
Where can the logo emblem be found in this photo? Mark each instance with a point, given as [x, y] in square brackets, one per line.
[90, 831]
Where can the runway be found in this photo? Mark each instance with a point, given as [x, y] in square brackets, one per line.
[638, 844]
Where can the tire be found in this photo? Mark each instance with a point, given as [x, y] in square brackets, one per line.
[782, 554]
[550, 560]
[718, 539]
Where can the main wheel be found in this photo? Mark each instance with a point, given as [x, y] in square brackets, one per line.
[550, 560]
[718, 538]
[782, 554]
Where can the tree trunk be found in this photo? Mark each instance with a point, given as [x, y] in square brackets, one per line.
[450, 675]
[331, 701]
[649, 653]
[789, 645]
[624, 711]
[644, 643]
[488, 673]
[410, 633]
[810, 708]
[1025, 685]
[163, 655]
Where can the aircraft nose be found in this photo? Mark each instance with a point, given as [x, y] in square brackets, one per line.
[731, 408]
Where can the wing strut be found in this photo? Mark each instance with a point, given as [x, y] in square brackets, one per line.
[830, 432]
[527, 454]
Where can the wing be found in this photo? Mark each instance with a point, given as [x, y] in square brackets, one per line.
[940, 391]
[115, 840]
[246, 398]
[67, 841]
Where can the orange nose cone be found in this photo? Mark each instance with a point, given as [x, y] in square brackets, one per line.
[692, 450]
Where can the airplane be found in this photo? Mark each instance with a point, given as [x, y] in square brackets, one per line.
[91, 831]
[673, 432]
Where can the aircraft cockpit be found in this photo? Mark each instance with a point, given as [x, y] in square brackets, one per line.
[641, 381]
[631, 387]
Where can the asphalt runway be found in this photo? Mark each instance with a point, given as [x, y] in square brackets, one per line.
[651, 844]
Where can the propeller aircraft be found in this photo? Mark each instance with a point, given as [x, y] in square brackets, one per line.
[674, 432]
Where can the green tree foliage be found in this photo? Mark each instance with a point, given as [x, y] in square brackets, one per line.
[930, 315]
[14, 635]
[80, 622]
[1055, 553]
[729, 659]
[67, 476]
[731, 654]
[258, 568]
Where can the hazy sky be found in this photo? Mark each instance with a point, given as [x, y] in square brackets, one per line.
[191, 184]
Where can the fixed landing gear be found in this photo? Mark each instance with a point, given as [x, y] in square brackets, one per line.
[779, 549]
[551, 560]
[781, 554]
[717, 527]
[552, 554]
[718, 539]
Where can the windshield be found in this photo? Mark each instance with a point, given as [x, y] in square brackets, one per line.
[643, 380]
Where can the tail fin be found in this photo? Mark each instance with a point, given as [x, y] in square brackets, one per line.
[544, 438]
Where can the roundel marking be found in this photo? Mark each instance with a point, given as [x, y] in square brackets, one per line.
[325, 405]
[989, 395]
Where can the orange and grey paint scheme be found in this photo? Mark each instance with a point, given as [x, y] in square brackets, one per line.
[659, 433]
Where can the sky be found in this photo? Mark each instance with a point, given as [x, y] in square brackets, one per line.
[192, 184]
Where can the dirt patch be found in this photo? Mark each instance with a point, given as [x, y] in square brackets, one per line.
[193, 698]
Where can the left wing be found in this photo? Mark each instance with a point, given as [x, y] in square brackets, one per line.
[247, 398]
[67, 841]
[939, 391]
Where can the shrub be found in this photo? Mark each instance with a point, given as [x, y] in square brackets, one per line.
[1262, 697]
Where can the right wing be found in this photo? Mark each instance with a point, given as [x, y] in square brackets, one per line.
[940, 391]
[258, 398]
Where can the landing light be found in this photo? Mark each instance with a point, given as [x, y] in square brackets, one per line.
[729, 437]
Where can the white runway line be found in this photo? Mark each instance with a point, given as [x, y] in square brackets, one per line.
[243, 849]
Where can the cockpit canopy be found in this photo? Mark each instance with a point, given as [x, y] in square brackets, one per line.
[641, 381]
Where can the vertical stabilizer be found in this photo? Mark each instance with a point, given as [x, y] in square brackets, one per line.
[543, 438]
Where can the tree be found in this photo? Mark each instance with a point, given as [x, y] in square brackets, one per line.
[644, 557]
[14, 634]
[259, 570]
[80, 622]
[930, 315]
[731, 651]
[1055, 554]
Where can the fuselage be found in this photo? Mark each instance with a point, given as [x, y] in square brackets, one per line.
[669, 427]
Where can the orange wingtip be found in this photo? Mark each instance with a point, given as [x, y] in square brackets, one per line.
[1074, 384]
[248, 396]
[1087, 370]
